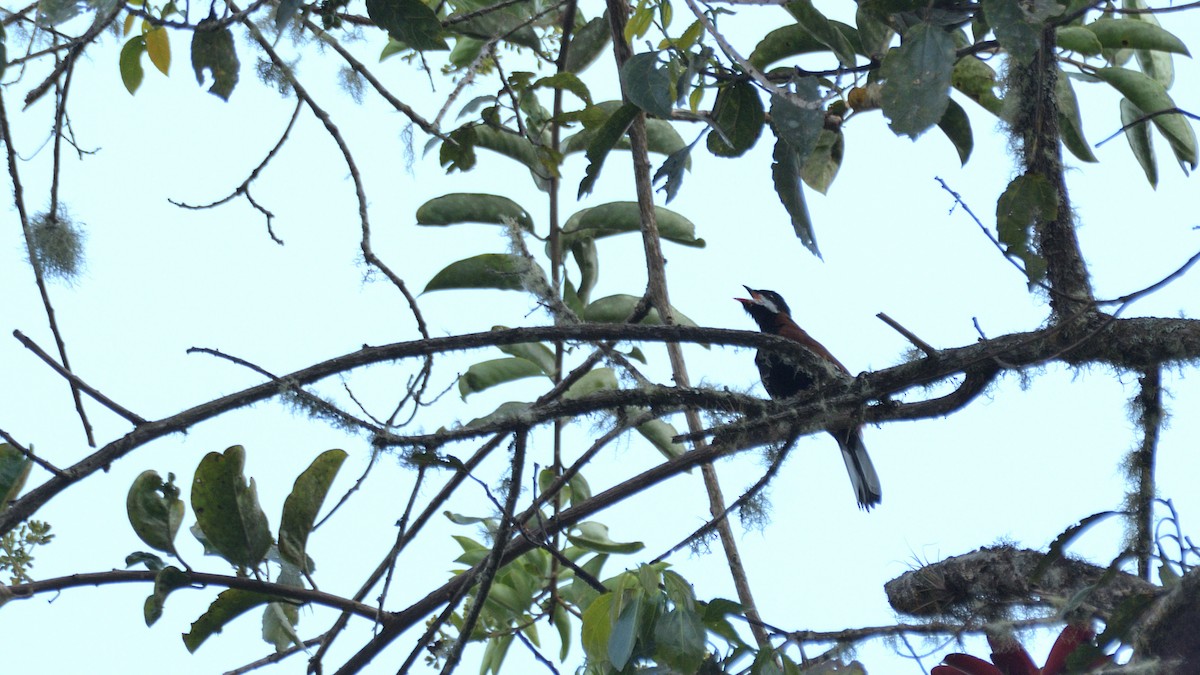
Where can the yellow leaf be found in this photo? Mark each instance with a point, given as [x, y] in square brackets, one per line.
[128, 23]
[158, 46]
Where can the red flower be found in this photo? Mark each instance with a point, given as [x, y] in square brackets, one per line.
[1010, 658]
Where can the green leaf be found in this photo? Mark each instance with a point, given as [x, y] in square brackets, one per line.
[1139, 139]
[785, 172]
[158, 47]
[917, 77]
[1135, 34]
[53, 12]
[501, 271]
[1029, 199]
[781, 43]
[588, 44]
[488, 374]
[1078, 39]
[679, 640]
[597, 627]
[1019, 29]
[1154, 62]
[505, 411]
[227, 509]
[874, 34]
[534, 352]
[469, 207]
[799, 119]
[660, 433]
[823, 30]
[493, 654]
[130, 63]
[957, 127]
[738, 117]
[977, 80]
[823, 162]
[624, 633]
[671, 171]
[1069, 121]
[229, 605]
[1151, 96]
[613, 218]
[597, 379]
[562, 623]
[213, 50]
[661, 135]
[516, 147]
[409, 21]
[566, 81]
[458, 152]
[151, 561]
[509, 22]
[593, 536]
[303, 503]
[646, 82]
[285, 11]
[167, 580]
[466, 50]
[155, 510]
[602, 141]
[279, 626]
[617, 308]
[588, 259]
[14, 469]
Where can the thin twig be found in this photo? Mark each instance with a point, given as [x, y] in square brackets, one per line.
[276, 657]
[30, 454]
[909, 335]
[36, 263]
[78, 383]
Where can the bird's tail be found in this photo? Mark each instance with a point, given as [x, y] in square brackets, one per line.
[858, 464]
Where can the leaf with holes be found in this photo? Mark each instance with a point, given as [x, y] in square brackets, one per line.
[155, 510]
[1028, 200]
[227, 509]
[213, 50]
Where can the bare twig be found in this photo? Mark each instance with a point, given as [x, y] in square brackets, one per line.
[244, 188]
[909, 335]
[281, 591]
[77, 382]
[30, 454]
[36, 263]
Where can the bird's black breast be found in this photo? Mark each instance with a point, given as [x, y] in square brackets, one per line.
[781, 376]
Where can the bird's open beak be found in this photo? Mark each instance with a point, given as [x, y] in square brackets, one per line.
[755, 297]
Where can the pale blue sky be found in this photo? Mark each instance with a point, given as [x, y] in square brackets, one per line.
[1023, 462]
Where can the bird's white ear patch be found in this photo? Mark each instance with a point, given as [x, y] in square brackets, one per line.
[768, 303]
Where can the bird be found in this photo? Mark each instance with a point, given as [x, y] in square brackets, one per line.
[784, 377]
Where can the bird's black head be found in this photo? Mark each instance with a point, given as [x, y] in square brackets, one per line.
[764, 307]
